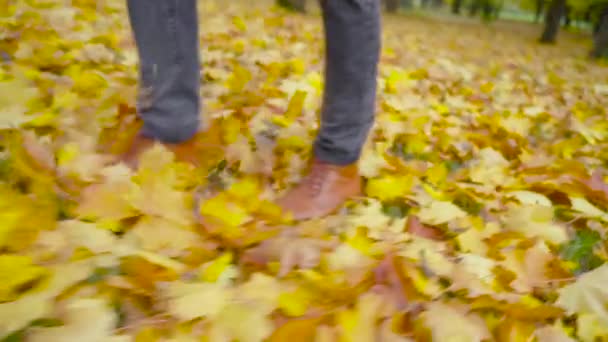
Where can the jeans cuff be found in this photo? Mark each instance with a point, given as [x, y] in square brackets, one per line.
[170, 134]
[334, 157]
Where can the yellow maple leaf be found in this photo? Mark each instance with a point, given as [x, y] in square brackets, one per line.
[17, 314]
[242, 322]
[480, 266]
[156, 195]
[186, 300]
[156, 259]
[294, 137]
[106, 201]
[88, 235]
[14, 96]
[13, 209]
[297, 330]
[452, 323]
[429, 252]
[552, 334]
[583, 206]
[87, 82]
[396, 78]
[587, 295]
[239, 79]
[359, 324]
[369, 215]
[519, 125]
[345, 256]
[295, 303]
[465, 276]
[528, 266]
[529, 197]
[227, 212]
[372, 161]
[157, 234]
[261, 289]
[490, 168]
[361, 242]
[80, 160]
[535, 221]
[514, 331]
[440, 212]
[389, 186]
[219, 269]
[437, 173]
[77, 318]
[16, 271]
[472, 239]
[590, 328]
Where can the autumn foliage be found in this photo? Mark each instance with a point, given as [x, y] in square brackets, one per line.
[485, 208]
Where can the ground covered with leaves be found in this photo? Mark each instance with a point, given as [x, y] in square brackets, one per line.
[483, 217]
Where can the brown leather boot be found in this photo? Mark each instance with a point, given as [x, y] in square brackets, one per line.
[193, 151]
[322, 191]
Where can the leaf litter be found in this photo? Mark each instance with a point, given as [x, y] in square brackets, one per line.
[483, 218]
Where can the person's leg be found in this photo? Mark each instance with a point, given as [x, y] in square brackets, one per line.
[166, 35]
[352, 43]
[352, 33]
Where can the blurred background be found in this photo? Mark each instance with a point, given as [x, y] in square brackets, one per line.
[589, 17]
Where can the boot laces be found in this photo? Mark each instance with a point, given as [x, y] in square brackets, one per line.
[315, 180]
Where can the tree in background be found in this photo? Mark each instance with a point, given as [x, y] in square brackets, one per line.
[539, 8]
[497, 8]
[567, 15]
[553, 18]
[594, 12]
[392, 5]
[489, 9]
[456, 5]
[407, 4]
[474, 7]
[600, 33]
[294, 5]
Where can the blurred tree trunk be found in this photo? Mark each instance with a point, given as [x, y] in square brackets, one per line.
[552, 21]
[456, 4]
[497, 9]
[294, 5]
[486, 10]
[600, 38]
[540, 6]
[474, 8]
[391, 5]
[567, 16]
[407, 4]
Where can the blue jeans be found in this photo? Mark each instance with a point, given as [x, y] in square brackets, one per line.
[166, 33]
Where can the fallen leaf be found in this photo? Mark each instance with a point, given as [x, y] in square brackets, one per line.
[535, 221]
[552, 334]
[77, 324]
[297, 330]
[440, 212]
[463, 326]
[389, 187]
[190, 301]
[587, 295]
[414, 226]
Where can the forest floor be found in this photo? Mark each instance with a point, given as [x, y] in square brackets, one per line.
[483, 218]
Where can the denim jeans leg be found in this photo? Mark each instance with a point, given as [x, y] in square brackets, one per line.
[352, 45]
[166, 34]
